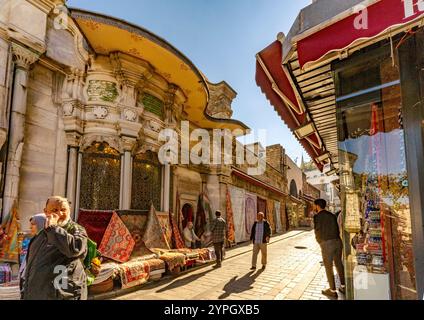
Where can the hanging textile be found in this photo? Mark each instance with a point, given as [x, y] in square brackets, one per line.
[179, 212]
[95, 223]
[200, 223]
[262, 207]
[270, 215]
[277, 214]
[230, 219]
[9, 251]
[250, 211]
[208, 209]
[117, 243]
[237, 202]
[177, 240]
[153, 236]
[166, 225]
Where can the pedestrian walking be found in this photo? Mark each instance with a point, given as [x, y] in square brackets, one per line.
[54, 264]
[218, 229]
[328, 236]
[260, 235]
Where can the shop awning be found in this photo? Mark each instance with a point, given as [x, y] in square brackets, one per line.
[366, 21]
[275, 84]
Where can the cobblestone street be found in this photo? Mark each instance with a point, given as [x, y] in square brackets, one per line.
[294, 272]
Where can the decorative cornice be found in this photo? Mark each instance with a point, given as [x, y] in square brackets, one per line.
[23, 57]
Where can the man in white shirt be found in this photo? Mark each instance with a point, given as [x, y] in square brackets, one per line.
[190, 236]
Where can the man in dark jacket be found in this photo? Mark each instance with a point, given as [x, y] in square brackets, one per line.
[260, 234]
[218, 229]
[55, 269]
[328, 236]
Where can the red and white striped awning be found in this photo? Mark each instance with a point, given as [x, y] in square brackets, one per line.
[365, 21]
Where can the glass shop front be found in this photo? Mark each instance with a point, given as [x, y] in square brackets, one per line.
[378, 246]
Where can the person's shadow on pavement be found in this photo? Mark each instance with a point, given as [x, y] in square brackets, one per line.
[240, 285]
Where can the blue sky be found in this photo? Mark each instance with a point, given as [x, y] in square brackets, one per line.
[221, 37]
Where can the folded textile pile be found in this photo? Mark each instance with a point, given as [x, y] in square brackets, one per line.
[107, 271]
[10, 291]
[204, 254]
[134, 273]
[173, 259]
[189, 253]
[156, 264]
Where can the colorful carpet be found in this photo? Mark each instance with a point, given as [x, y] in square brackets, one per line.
[136, 224]
[156, 264]
[154, 236]
[134, 273]
[177, 240]
[231, 237]
[95, 223]
[270, 215]
[166, 225]
[251, 211]
[173, 260]
[117, 243]
[9, 250]
[277, 214]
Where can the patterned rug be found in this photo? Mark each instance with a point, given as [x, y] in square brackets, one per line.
[231, 237]
[177, 240]
[270, 215]
[95, 223]
[153, 236]
[134, 273]
[156, 264]
[251, 211]
[117, 243]
[173, 259]
[136, 224]
[9, 250]
[166, 225]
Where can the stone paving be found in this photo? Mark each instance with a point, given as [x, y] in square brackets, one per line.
[294, 272]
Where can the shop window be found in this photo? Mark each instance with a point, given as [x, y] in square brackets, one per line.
[153, 105]
[100, 177]
[374, 177]
[146, 182]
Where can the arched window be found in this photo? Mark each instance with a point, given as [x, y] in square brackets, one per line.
[100, 177]
[293, 188]
[146, 182]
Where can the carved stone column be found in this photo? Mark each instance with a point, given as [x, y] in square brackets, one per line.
[23, 58]
[126, 178]
[72, 172]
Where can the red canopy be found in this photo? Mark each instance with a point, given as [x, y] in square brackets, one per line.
[275, 84]
[379, 18]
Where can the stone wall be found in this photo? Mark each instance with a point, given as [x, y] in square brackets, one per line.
[44, 157]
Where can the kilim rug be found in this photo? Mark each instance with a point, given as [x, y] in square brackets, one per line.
[153, 236]
[136, 224]
[177, 240]
[134, 273]
[166, 225]
[95, 223]
[117, 243]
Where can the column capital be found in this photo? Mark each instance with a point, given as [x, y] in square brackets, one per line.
[73, 139]
[22, 56]
[128, 144]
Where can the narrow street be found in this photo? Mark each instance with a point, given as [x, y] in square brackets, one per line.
[294, 272]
